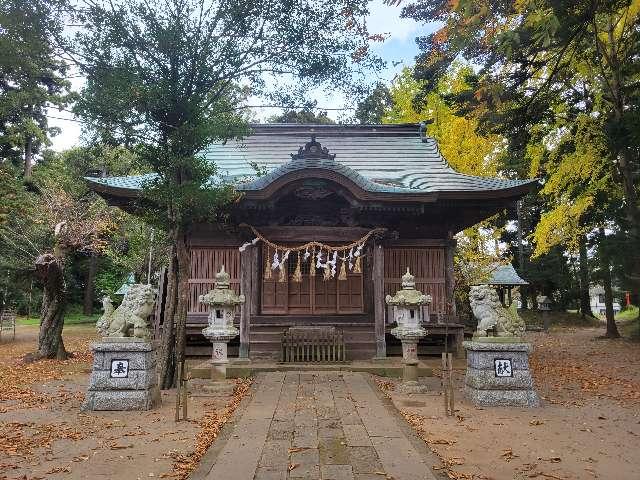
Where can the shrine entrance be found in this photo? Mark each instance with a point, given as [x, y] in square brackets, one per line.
[313, 295]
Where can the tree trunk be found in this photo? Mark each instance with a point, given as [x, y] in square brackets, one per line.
[89, 285]
[624, 156]
[183, 263]
[523, 289]
[605, 266]
[166, 361]
[28, 157]
[49, 269]
[585, 303]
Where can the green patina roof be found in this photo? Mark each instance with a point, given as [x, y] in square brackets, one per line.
[377, 158]
[506, 275]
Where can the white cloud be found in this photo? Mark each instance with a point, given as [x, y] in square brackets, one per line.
[386, 19]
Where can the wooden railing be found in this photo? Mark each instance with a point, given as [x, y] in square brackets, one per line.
[313, 344]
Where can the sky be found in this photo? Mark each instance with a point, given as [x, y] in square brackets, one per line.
[399, 50]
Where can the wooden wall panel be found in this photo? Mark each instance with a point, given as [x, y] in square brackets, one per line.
[205, 263]
[426, 264]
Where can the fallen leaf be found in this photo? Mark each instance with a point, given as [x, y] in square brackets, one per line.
[298, 449]
[508, 454]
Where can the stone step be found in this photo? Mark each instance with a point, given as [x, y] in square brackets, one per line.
[202, 387]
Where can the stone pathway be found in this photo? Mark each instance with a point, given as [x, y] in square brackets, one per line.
[324, 425]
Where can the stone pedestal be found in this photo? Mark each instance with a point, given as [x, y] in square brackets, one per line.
[124, 375]
[219, 361]
[498, 373]
[410, 359]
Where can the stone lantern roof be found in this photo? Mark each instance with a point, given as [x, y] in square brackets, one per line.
[222, 295]
[408, 296]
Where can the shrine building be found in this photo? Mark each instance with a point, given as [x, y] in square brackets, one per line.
[328, 228]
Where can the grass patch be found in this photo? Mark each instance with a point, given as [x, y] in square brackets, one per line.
[566, 319]
[628, 323]
[72, 318]
[629, 313]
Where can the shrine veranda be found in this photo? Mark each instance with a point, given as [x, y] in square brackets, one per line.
[369, 200]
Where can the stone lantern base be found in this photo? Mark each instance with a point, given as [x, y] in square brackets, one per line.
[409, 341]
[219, 359]
[498, 373]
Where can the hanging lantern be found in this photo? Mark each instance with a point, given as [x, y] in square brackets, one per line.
[343, 270]
[297, 274]
[267, 267]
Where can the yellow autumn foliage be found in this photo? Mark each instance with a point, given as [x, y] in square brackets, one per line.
[465, 150]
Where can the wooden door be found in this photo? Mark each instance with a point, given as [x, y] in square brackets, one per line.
[300, 296]
[350, 294]
[312, 296]
[325, 298]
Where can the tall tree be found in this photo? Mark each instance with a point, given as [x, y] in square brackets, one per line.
[42, 230]
[534, 55]
[372, 109]
[166, 75]
[32, 78]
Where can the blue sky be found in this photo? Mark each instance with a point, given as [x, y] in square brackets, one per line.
[400, 46]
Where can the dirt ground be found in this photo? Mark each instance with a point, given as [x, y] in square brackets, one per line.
[588, 426]
[43, 433]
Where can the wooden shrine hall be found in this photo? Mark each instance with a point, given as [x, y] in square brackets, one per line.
[365, 201]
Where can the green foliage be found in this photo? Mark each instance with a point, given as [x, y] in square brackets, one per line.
[372, 109]
[109, 280]
[32, 75]
[301, 116]
[465, 150]
[58, 198]
[560, 82]
[164, 77]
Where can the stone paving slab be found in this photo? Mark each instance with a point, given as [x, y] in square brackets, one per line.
[316, 426]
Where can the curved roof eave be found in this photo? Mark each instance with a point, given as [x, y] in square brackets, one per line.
[363, 188]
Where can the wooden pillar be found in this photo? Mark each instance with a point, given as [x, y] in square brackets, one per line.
[254, 296]
[245, 309]
[378, 300]
[449, 279]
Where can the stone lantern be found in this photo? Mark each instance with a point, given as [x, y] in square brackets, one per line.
[407, 312]
[222, 303]
[544, 305]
